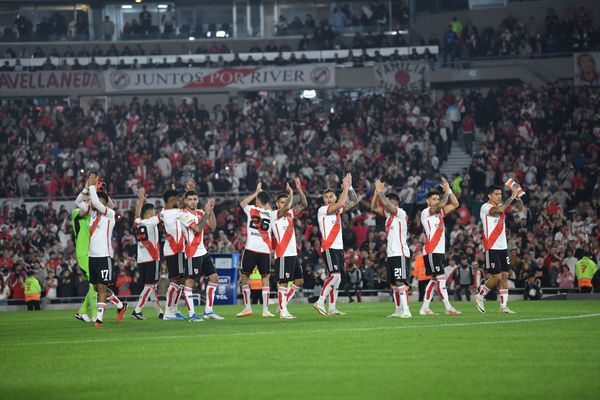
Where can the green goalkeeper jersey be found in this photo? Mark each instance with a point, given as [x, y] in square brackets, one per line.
[81, 230]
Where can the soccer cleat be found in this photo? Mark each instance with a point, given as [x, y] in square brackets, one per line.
[174, 318]
[161, 315]
[212, 315]
[286, 315]
[82, 317]
[180, 315]
[267, 314]
[395, 315]
[506, 310]
[195, 318]
[406, 315]
[245, 313]
[121, 312]
[426, 312]
[320, 308]
[479, 302]
[453, 311]
[137, 315]
[335, 312]
[99, 324]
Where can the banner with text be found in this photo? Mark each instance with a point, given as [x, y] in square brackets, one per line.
[400, 76]
[586, 69]
[25, 83]
[309, 76]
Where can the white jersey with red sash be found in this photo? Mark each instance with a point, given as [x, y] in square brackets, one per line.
[494, 232]
[147, 239]
[171, 219]
[194, 241]
[285, 236]
[101, 228]
[433, 224]
[396, 229]
[330, 226]
[258, 226]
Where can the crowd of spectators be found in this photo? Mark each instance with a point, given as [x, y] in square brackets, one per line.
[514, 37]
[547, 139]
[58, 26]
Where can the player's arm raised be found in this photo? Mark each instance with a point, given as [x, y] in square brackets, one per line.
[352, 197]
[375, 207]
[448, 208]
[502, 207]
[303, 205]
[288, 204]
[443, 200]
[335, 207]
[140, 203]
[380, 187]
[517, 206]
[101, 208]
[249, 199]
[80, 201]
[208, 211]
[212, 219]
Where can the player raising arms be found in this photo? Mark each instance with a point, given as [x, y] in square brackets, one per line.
[258, 244]
[101, 250]
[495, 245]
[80, 219]
[198, 261]
[287, 265]
[398, 253]
[434, 251]
[148, 253]
[332, 245]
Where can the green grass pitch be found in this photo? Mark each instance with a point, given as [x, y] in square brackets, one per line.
[548, 350]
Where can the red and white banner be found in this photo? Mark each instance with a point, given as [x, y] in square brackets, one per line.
[309, 76]
[50, 82]
[400, 76]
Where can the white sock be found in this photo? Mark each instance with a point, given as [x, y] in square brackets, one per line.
[428, 294]
[171, 296]
[443, 292]
[177, 297]
[291, 292]
[282, 298]
[333, 295]
[101, 307]
[143, 298]
[246, 294]
[210, 297]
[327, 286]
[189, 301]
[396, 295]
[156, 300]
[503, 298]
[265, 298]
[115, 300]
[483, 291]
[403, 292]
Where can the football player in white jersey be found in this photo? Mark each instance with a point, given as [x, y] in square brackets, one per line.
[497, 261]
[398, 253]
[259, 246]
[101, 251]
[148, 253]
[434, 251]
[287, 264]
[332, 245]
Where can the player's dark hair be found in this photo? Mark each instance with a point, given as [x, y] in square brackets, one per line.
[282, 195]
[432, 193]
[103, 195]
[170, 193]
[493, 188]
[190, 193]
[394, 196]
[263, 197]
[147, 207]
[328, 190]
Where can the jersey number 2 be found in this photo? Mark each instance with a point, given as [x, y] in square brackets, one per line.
[259, 224]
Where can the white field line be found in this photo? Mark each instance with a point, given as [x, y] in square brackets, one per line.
[288, 333]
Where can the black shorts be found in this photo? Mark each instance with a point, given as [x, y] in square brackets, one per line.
[497, 261]
[335, 260]
[251, 259]
[434, 264]
[200, 266]
[149, 272]
[101, 270]
[397, 270]
[175, 264]
[288, 269]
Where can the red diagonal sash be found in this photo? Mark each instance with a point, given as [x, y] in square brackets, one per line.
[190, 249]
[489, 241]
[388, 225]
[265, 235]
[176, 246]
[431, 244]
[152, 249]
[285, 240]
[94, 225]
[328, 241]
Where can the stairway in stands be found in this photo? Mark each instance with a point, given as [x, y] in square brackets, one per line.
[458, 157]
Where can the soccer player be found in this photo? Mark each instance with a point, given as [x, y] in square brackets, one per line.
[101, 251]
[332, 245]
[287, 265]
[148, 253]
[494, 243]
[434, 251]
[80, 219]
[258, 244]
[398, 253]
[173, 250]
[197, 259]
